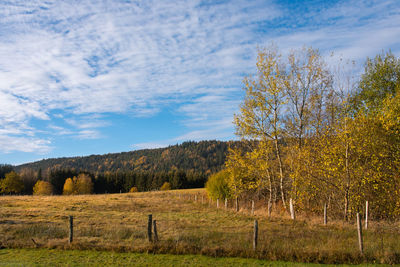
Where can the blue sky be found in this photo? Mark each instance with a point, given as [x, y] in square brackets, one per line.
[93, 77]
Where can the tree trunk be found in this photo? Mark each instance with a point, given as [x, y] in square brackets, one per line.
[278, 155]
[346, 201]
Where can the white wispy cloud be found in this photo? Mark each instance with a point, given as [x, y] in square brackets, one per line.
[9, 143]
[71, 60]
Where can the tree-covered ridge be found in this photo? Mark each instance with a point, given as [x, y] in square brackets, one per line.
[198, 157]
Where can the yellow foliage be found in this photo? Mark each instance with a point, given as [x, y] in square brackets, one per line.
[42, 188]
[217, 185]
[12, 183]
[83, 184]
[68, 187]
[165, 186]
[78, 185]
[133, 190]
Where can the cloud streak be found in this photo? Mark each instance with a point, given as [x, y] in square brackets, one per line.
[66, 61]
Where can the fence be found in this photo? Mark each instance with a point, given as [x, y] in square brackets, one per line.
[153, 235]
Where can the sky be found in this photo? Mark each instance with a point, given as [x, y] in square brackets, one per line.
[93, 77]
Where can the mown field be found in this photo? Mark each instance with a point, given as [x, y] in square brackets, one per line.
[118, 223]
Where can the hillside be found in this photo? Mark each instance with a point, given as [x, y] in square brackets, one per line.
[200, 157]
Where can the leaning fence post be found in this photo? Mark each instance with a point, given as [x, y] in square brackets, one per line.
[366, 214]
[252, 207]
[255, 237]
[71, 229]
[359, 230]
[149, 224]
[155, 231]
[292, 215]
[325, 214]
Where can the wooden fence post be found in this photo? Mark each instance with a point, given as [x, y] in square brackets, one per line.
[71, 229]
[292, 215]
[359, 230]
[366, 214]
[149, 225]
[155, 231]
[202, 199]
[252, 207]
[237, 204]
[255, 237]
[195, 198]
[226, 203]
[325, 214]
[217, 203]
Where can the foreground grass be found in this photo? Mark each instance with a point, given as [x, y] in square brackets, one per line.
[45, 257]
[118, 222]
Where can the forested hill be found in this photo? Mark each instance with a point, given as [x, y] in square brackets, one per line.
[200, 157]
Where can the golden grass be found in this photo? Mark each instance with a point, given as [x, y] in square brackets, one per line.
[118, 222]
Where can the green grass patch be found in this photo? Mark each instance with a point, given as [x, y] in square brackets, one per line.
[53, 257]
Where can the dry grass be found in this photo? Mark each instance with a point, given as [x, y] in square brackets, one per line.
[118, 222]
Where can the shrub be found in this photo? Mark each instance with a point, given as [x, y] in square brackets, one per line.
[42, 188]
[133, 190]
[165, 186]
[217, 185]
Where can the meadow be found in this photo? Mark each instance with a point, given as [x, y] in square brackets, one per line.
[118, 223]
[52, 257]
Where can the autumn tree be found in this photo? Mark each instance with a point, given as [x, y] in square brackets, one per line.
[166, 186]
[381, 78]
[356, 157]
[282, 107]
[261, 115]
[68, 188]
[307, 84]
[12, 183]
[83, 184]
[217, 185]
[42, 188]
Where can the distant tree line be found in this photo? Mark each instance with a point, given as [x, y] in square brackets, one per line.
[20, 183]
[182, 166]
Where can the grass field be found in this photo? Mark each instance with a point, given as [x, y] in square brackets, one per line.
[46, 257]
[118, 223]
